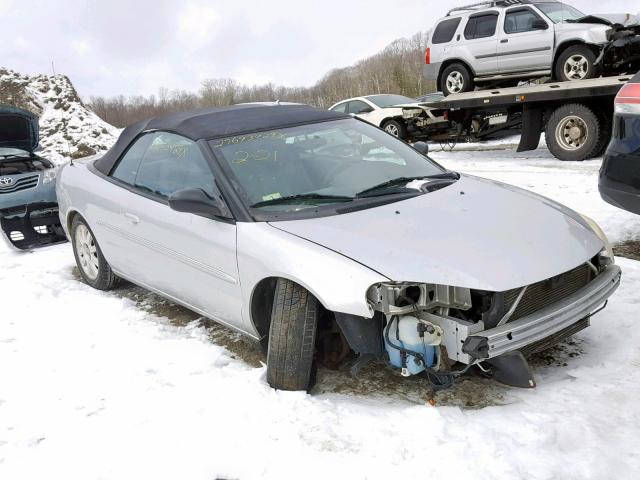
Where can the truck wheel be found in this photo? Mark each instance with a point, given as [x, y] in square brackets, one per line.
[456, 78]
[573, 132]
[395, 128]
[93, 267]
[576, 63]
[292, 337]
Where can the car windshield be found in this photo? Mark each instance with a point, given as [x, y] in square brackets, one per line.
[559, 12]
[384, 101]
[326, 163]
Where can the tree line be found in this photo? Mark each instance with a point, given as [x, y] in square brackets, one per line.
[396, 69]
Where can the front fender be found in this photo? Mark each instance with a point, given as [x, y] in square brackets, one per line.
[578, 33]
[338, 282]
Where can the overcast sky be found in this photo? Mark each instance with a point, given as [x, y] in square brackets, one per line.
[133, 47]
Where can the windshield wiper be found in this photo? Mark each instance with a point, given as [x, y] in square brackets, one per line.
[302, 196]
[373, 191]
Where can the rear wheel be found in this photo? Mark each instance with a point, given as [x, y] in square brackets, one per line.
[576, 63]
[395, 128]
[573, 132]
[292, 337]
[456, 78]
[93, 267]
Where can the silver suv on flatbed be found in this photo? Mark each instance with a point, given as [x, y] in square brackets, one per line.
[499, 43]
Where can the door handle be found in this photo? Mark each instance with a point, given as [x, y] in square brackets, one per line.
[132, 218]
[504, 40]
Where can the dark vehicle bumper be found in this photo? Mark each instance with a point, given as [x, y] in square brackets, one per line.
[619, 181]
[32, 226]
[619, 195]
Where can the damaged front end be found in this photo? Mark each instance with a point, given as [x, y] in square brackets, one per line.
[442, 331]
[621, 53]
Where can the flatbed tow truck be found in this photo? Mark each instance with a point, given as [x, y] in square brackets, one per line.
[575, 116]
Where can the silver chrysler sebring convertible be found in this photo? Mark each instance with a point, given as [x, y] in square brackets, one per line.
[328, 240]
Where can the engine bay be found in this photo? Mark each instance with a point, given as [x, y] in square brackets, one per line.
[28, 164]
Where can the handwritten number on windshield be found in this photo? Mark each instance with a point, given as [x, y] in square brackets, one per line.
[241, 156]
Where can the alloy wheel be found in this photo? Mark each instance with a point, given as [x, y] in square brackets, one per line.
[455, 82]
[87, 252]
[392, 129]
[576, 67]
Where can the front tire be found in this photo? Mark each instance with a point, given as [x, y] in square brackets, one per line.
[93, 267]
[456, 78]
[292, 337]
[395, 128]
[573, 132]
[576, 63]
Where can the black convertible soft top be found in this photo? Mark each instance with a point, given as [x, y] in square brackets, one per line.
[218, 122]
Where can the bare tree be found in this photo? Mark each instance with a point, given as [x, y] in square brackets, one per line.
[396, 69]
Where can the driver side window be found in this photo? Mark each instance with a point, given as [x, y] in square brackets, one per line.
[522, 20]
[161, 163]
[358, 106]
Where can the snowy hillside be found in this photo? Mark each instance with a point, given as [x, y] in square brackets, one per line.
[68, 129]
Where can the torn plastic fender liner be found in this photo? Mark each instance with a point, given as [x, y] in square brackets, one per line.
[512, 369]
[364, 335]
[19, 227]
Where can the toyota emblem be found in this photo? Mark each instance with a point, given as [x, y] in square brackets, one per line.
[6, 181]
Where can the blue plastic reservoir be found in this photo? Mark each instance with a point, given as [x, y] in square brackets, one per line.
[404, 333]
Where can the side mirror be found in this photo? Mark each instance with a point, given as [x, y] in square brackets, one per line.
[539, 24]
[365, 110]
[421, 147]
[196, 201]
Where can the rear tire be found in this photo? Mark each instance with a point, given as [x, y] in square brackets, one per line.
[456, 78]
[93, 267]
[292, 337]
[573, 132]
[395, 128]
[576, 63]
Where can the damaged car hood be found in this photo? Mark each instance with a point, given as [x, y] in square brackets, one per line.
[18, 129]
[475, 233]
[624, 19]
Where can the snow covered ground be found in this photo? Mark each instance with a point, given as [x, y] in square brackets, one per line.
[124, 386]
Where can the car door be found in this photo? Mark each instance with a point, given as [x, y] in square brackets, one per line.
[481, 42]
[187, 257]
[526, 41]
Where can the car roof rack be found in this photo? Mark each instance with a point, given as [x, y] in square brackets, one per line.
[480, 5]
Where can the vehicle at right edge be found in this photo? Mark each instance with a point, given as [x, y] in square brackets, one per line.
[619, 182]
